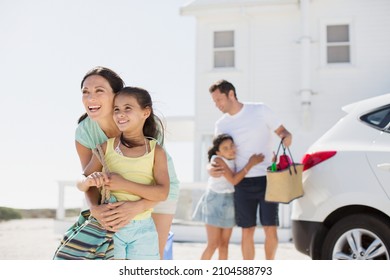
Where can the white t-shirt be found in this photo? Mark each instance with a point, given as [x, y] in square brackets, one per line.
[221, 184]
[252, 130]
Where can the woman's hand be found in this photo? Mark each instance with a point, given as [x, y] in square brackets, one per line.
[99, 212]
[113, 216]
[97, 179]
[84, 184]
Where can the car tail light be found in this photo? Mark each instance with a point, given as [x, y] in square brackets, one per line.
[310, 160]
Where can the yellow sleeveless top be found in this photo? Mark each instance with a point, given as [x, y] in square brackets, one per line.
[139, 170]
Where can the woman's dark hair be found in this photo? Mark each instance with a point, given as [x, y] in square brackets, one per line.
[153, 126]
[115, 81]
[224, 87]
[217, 142]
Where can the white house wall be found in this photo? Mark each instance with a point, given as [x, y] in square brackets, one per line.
[268, 63]
[366, 76]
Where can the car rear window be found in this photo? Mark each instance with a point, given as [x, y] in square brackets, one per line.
[379, 118]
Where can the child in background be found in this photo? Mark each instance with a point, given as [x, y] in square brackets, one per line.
[216, 207]
[137, 165]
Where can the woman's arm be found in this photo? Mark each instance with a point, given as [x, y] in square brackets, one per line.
[85, 155]
[160, 172]
[160, 189]
[95, 178]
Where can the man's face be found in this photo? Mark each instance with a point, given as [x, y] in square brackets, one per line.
[221, 100]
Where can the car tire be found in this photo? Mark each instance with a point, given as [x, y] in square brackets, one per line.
[357, 237]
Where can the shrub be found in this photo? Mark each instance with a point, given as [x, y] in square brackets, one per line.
[9, 214]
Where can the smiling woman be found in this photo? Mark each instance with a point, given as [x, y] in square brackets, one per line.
[138, 170]
[100, 87]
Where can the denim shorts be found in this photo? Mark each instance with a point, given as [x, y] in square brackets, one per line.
[249, 198]
[138, 240]
[216, 209]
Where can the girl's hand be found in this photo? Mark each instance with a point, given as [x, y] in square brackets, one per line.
[115, 182]
[256, 159]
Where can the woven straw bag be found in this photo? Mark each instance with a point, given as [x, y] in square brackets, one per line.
[284, 185]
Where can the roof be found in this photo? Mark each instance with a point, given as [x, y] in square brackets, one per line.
[201, 5]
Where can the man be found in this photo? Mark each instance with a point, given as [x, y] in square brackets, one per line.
[251, 125]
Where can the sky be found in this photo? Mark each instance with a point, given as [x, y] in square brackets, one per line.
[46, 47]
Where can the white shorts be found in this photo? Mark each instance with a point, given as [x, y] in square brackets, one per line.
[166, 207]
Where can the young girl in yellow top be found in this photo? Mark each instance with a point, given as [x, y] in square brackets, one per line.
[134, 160]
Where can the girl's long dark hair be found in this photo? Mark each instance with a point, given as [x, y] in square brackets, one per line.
[112, 78]
[217, 142]
[153, 127]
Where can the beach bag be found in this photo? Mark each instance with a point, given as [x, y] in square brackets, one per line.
[284, 179]
[87, 239]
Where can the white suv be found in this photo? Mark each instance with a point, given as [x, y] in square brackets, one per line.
[345, 210]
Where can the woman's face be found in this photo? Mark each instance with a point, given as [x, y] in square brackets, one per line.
[98, 97]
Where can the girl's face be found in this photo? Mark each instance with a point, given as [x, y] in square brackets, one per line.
[128, 115]
[227, 149]
[98, 97]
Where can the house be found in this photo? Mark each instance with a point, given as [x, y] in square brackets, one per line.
[304, 58]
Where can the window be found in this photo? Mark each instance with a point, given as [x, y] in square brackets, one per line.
[223, 49]
[338, 47]
[379, 118]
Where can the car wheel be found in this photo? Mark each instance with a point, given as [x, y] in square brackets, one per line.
[357, 237]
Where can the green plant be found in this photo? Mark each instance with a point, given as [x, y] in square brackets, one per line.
[9, 214]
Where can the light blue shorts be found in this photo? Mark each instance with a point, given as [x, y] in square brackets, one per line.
[216, 209]
[137, 241]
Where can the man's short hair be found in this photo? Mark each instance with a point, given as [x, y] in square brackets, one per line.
[223, 86]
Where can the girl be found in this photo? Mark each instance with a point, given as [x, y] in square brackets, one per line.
[136, 164]
[216, 207]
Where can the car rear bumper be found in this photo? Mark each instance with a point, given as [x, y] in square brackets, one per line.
[307, 237]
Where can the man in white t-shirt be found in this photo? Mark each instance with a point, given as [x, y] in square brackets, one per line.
[251, 125]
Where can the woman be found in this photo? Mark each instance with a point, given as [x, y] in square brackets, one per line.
[99, 87]
[134, 160]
